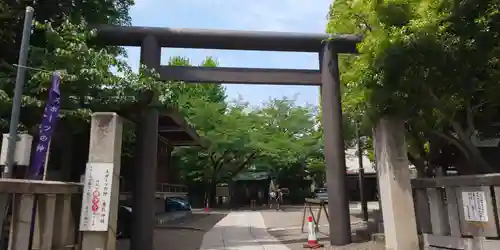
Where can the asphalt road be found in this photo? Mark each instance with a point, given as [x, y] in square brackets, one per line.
[185, 234]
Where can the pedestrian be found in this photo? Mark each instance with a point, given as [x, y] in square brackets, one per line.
[253, 197]
[260, 196]
[272, 197]
[279, 197]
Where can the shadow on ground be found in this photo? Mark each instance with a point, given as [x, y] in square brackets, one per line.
[240, 237]
[181, 234]
[372, 214]
[286, 227]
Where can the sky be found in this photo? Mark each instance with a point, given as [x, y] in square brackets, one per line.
[261, 15]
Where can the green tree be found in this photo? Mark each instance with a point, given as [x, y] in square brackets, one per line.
[186, 93]
[432, 63]
[94, 79]
[89, 84]
[277, 138]
[286, 138]
[228, 148]
[55, 12]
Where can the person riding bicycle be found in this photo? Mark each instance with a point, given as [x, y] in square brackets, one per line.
[279, 197]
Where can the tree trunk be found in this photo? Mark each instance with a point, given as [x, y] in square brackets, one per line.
[211, 192]
[419, 164]
[476, 162]
[473, 155]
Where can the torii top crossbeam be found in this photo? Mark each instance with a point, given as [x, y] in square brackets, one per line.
[225, 39]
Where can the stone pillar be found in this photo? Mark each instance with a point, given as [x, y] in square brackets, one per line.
[338, 203]
[395, 187]
[105, 148]
[143, 220]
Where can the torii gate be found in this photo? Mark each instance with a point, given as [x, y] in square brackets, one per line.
[151, 40]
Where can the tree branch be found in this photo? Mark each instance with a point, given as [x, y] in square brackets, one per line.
[363, 22]
[440, 105]
[420, 144]
[247, 160]
[469, 117]
[217, 163]
[481, 104]
[453, 141]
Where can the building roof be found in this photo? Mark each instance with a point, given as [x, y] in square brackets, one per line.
[172, 126]
[251, 176]
[352, 162]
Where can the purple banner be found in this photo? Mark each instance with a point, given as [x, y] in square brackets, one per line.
[49, 121]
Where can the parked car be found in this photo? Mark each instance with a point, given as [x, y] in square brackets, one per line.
[124, 223]
[321, 193]
[173, 204]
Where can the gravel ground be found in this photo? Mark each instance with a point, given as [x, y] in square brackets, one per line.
[183, 234]
[286, 227]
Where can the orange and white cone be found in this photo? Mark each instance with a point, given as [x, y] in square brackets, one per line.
[207, 207]
[312, 240]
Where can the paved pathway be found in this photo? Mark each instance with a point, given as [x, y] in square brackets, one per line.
[242, 230]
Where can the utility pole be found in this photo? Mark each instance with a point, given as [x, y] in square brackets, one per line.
[18, 93]
[361, 175]
[14, 118]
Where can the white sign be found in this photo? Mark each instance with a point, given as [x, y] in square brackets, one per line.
[475, 208]
[96, 197]
[23, 150]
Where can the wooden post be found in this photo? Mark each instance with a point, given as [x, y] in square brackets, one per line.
[395, 188]
[438, 212]
[104, 152]
[143, 199]
[46, 213]
[143, 219]
[64, 224]
[42, 215]
[20, 228]
[422, 212]
[340, 225]
[46, 162]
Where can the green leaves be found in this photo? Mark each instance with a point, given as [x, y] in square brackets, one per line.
[430, 62]
[275, 138]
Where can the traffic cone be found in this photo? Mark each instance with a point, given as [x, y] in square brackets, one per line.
[312, 240]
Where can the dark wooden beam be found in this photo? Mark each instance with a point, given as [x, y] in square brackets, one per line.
[241, 75]
[179, 120]
[170, 129]
[224, 39]
[456, 181]
[183, 143]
